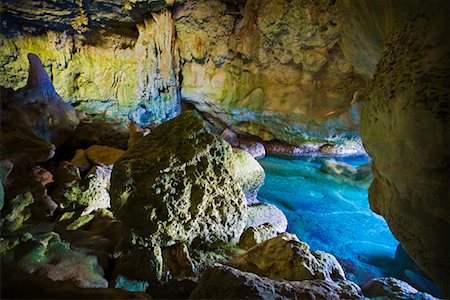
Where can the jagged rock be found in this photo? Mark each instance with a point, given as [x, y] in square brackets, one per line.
[96, 189]
[249, 173]
[285, 257]
[103, 155]
[91, 192]
[220, 282]
[256, 235]
[48, 255]
[19, 212]
[37, 109]
[177, 262]
[261, 213]
[392, 288]
[80, 160]
[179, 184]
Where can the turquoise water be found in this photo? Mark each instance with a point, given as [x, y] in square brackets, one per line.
[331, 213]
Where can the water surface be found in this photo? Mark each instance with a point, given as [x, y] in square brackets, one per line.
[331, 213]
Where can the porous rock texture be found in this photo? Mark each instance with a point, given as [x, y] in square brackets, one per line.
[285, 257]
[179, 184]
[267, 68]
[220, 280]
[405, 128]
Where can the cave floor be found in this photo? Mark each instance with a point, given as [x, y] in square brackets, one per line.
[331, 213]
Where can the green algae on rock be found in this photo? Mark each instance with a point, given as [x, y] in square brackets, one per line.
[179, 184]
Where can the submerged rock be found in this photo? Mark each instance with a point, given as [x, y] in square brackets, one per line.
[179, 184]
[285, 257]
[220, 282]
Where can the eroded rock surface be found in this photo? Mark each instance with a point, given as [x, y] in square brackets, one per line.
[221, 280]
[179, 184]
[405, 131]
[285, 257]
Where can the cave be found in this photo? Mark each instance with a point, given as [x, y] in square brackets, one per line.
[224, 149]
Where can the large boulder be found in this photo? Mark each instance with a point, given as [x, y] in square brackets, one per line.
[179, 184]
[219, 282]
[285, 257]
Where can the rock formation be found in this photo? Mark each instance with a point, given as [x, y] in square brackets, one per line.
[268, 68]
[37, 109]
[179, 184]
[405, 125]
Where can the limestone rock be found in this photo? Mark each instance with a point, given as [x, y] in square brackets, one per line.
[179, 184]
[406, 119]
[257, 150]
[262, 213]
[140, 265]
[48, 254]
[256, 235]
[37, 108]
[249, 173]
[91, 192]
[177, 262]
[275, 72]
[25, 149]
[80, 160]
[220, 281]
[285, 257]
[230, 136]
[391, 288]
[18, 213]
[103, 155]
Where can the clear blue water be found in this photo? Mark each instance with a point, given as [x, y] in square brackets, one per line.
[331, 213]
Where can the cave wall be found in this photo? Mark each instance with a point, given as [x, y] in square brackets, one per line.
[405, 123]
[269, 68]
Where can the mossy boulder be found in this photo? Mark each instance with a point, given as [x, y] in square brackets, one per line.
[179, 184]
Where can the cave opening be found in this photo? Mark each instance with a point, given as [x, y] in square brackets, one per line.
[211, 149]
